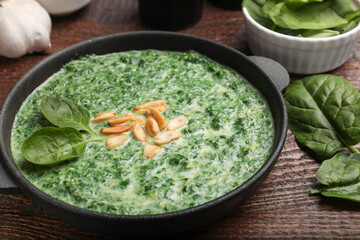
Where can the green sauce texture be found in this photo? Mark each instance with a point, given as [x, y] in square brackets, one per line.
[228, 137]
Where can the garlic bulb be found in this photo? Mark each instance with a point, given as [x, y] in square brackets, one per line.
[25, 27]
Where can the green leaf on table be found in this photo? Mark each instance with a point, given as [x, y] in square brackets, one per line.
[51, 145]
[324, 113]
[311, 16]
[341, 175]
[63, 112]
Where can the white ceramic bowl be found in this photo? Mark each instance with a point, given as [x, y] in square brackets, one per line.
[62, 7]
[301, 55]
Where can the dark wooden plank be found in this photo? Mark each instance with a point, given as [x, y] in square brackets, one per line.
[280, 209]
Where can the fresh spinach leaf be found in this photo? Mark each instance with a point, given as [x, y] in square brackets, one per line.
[299, 3]
[324, 113]
[63, 112]
[269, 6]
[319, 33]
[341, 7]
[341, 175]
[352, 15]
[349, 192]
[311, 16]
[290, 32]
[256, 13]
[304, 18]
[353, 18]
[260, 2]
[343, 29]
[53, 145]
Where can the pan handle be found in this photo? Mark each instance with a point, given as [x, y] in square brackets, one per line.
[7, 186]
[275, 71]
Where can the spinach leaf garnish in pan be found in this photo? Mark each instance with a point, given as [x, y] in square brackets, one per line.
[63, 112]
[53, 145]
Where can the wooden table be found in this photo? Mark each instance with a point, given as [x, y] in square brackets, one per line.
[281, 207]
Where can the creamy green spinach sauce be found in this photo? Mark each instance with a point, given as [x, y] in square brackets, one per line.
[228, 137]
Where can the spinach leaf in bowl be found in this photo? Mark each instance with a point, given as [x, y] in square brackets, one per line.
[301, 17]
[319, 33]
[341, 7]
[310, 16]
[256, 13]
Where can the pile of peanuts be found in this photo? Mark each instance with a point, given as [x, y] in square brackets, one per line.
[142, 127]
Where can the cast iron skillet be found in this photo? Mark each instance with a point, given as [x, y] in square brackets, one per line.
[173, 222]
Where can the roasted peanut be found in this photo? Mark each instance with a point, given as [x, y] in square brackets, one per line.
[166, 137]
[151, 127]
[103, 116]
[159, 118]
[139, 133]
[151, 150]
[139, 119]
[116, 130]
[158, 104]
[148, 114]
[131, 123]
[176, 123]
[116, 141]
[121, 119]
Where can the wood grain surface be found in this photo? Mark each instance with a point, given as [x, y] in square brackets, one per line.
[280, 209]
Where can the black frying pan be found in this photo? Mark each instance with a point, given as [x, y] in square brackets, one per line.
[261, 72]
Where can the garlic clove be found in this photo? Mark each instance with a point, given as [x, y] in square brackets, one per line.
[13, 43]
